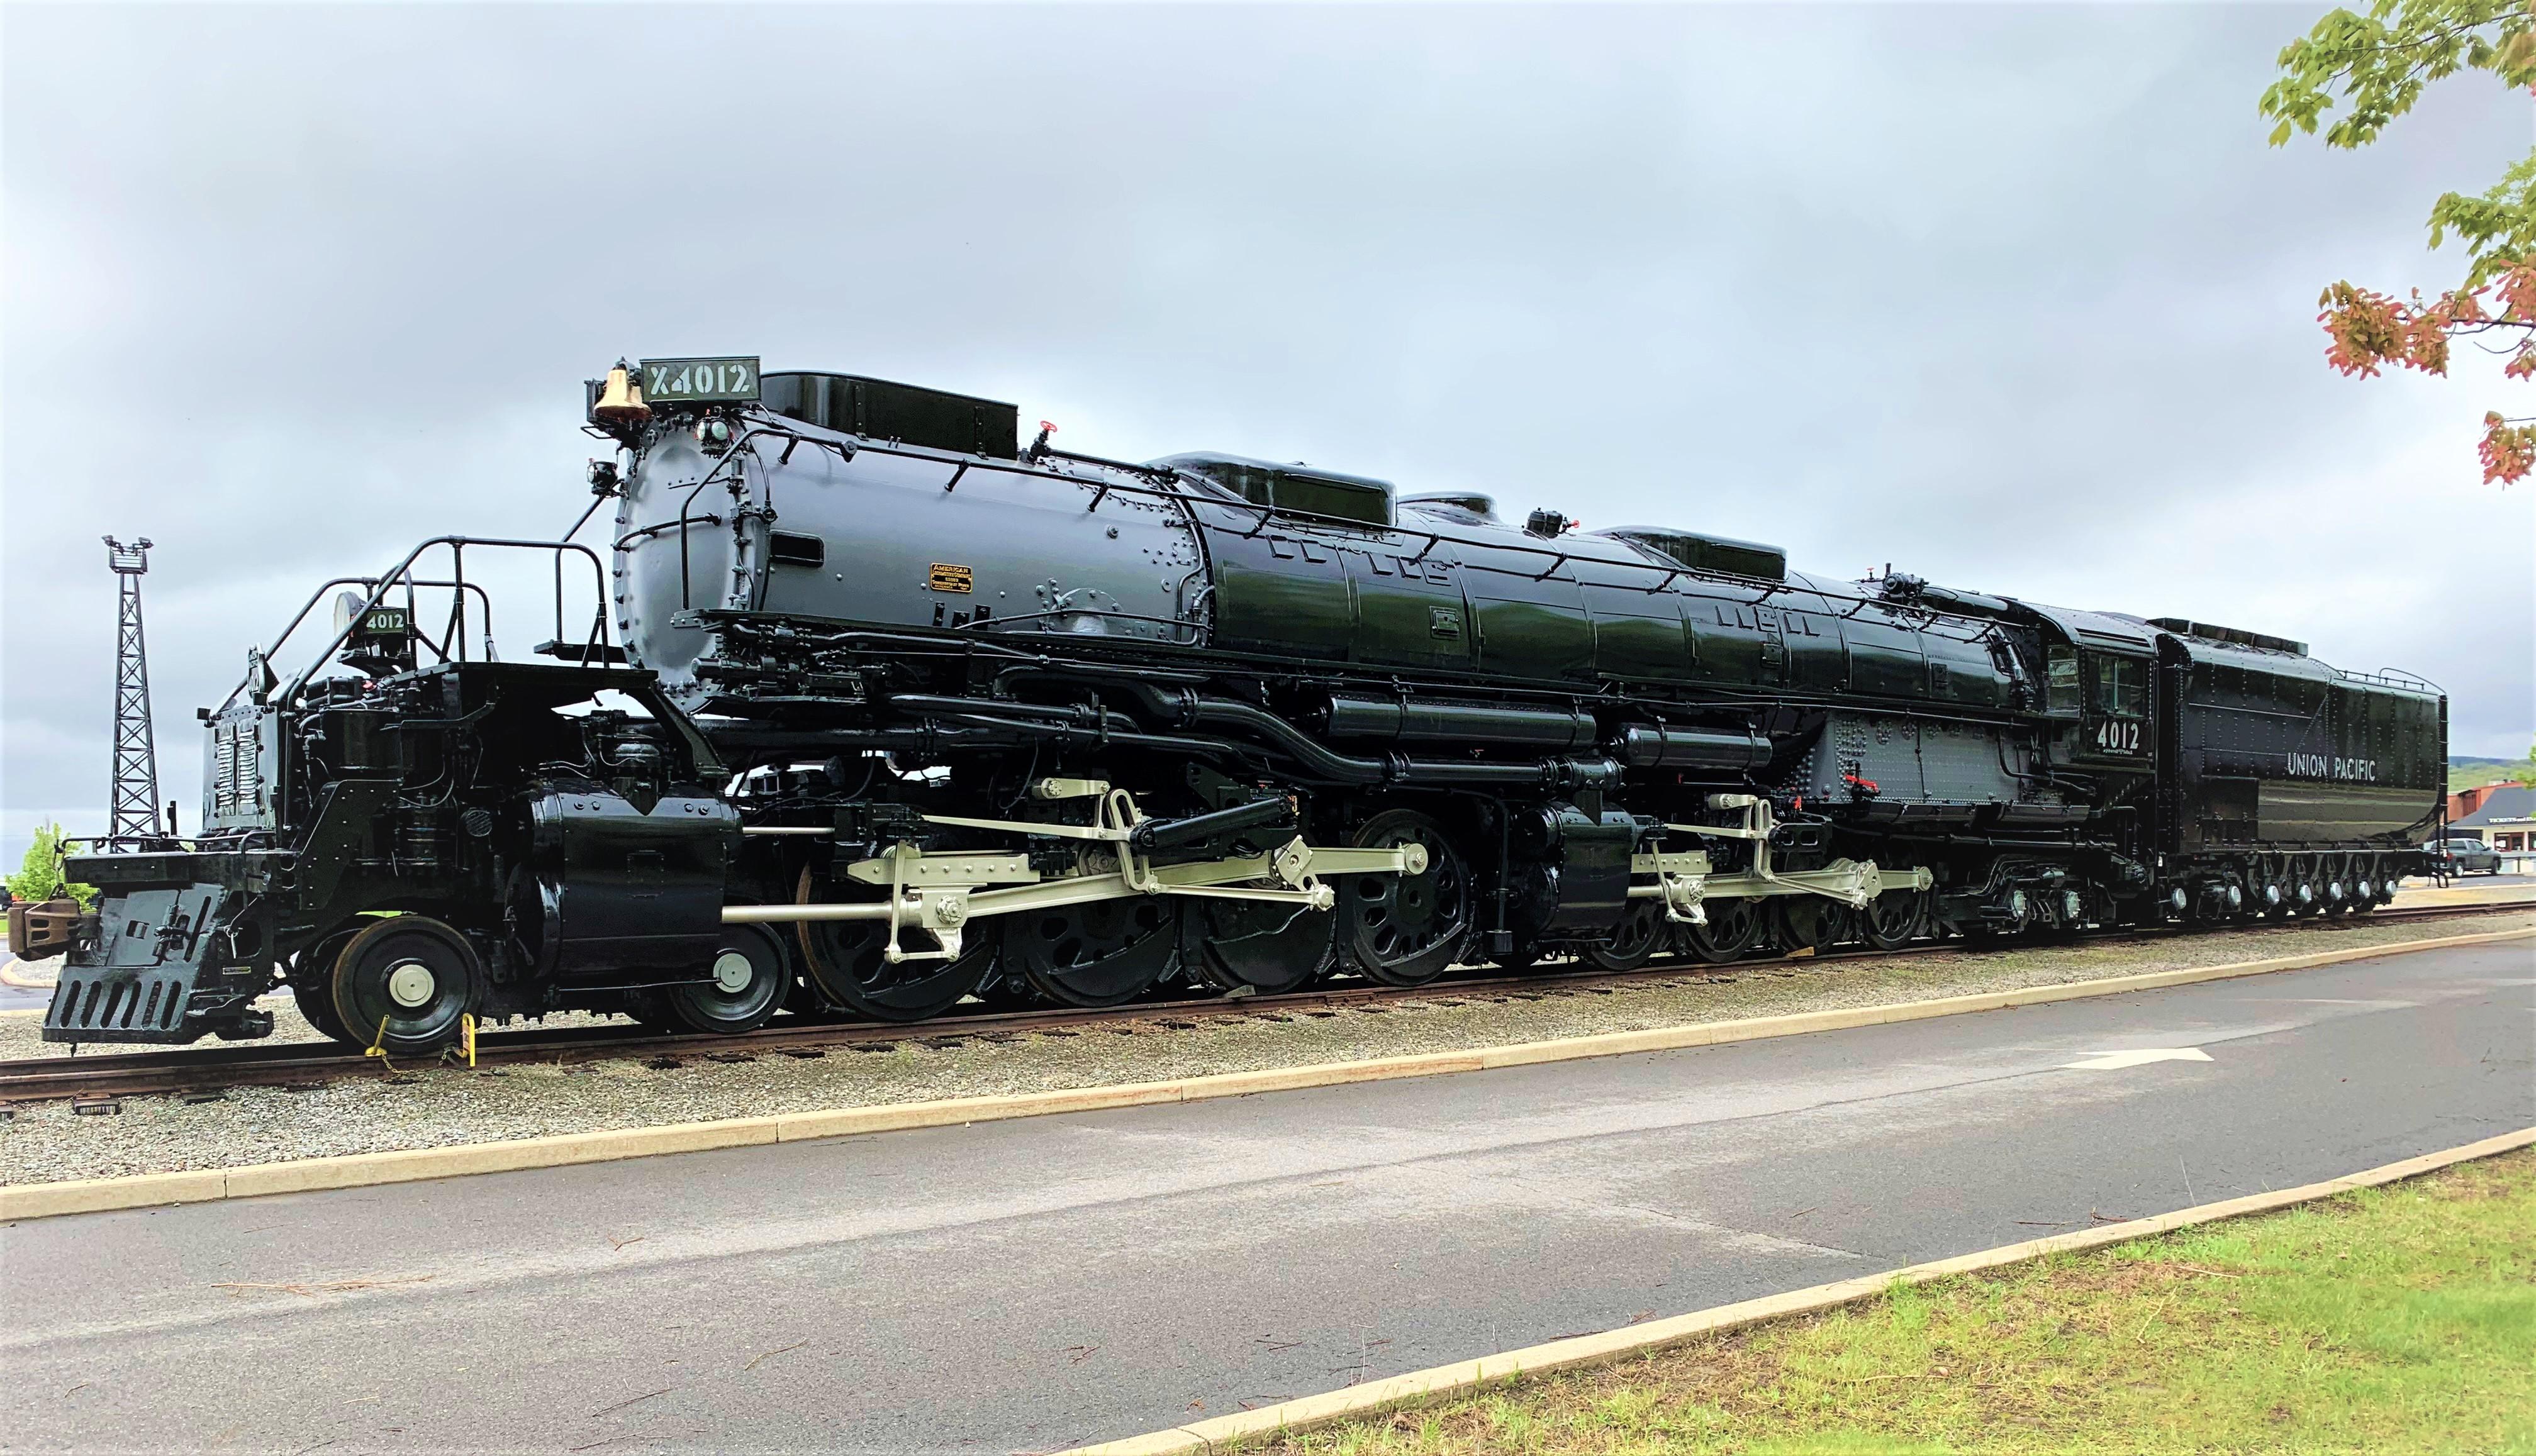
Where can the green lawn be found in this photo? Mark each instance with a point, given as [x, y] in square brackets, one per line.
[2394, 1319]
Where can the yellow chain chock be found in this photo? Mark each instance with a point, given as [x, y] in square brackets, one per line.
[379, 1044]
[468, 1023]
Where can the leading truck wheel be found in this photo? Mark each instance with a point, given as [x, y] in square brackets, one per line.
[312, 985]
[402, 984]
[1405, 929]
[749, 979]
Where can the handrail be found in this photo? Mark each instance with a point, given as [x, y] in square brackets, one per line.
[367, 581]
[1182, 490]
[401, 575]
[2392, 677]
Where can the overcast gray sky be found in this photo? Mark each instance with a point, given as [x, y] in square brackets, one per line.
[2013, 297]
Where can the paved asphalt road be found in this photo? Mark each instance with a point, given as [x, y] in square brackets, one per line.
[1029, 1285]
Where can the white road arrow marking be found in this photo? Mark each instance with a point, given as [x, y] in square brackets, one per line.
[2116, 1060]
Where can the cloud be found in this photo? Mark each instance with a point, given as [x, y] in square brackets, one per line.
[2015, 298]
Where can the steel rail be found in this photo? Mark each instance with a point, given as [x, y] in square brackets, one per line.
[208, 1070]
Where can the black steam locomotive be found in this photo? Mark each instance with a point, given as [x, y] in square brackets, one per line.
[882, 709]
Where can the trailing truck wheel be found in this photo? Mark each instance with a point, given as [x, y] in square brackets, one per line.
[1643, 931]
[1405, 929]
[312, 985]
[845, 960]
[749, 979]
[403, 983]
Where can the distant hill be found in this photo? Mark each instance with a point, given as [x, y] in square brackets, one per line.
[2465, 772]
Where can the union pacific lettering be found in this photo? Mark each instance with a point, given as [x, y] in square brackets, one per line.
[2320, 766]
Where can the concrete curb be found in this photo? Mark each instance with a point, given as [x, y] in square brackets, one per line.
[364, 1170]
[1589, 1350]
[9, 976]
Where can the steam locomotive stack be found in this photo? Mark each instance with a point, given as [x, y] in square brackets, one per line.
[885, 711]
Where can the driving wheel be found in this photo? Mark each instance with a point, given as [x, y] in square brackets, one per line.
[1405, 929]
[1096, 954]
[1810, 923]
[1734, 925]
[845, 962]
[1261, 944]
[1894, 918]
[1643, 931]
[403, 983]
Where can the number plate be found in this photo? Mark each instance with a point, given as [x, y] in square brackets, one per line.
[2117, 736]
[699, 381]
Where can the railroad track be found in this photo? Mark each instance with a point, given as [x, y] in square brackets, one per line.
[206, 1072]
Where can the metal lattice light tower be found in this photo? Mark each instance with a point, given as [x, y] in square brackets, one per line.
[135, 795]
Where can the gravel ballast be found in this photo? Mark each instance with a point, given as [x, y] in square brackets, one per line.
[422, 1107]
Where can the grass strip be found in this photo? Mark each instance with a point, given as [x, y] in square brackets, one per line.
[2400, 1318]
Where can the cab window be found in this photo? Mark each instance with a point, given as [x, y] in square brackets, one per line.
[2117, 686]
[2060, 680]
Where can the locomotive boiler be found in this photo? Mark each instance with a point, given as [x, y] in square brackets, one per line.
[884, 709]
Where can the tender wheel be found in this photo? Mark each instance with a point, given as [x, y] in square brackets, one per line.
[312, 985]
[1268, 947]
[1810, 923]
[749, 979]
[403, 981]
[1097, 954]
[1734, 928]
[1405, 929]
[842, 959]
[1895, 919]
[1642, 932]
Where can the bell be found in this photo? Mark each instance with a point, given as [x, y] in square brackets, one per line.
[621, 402]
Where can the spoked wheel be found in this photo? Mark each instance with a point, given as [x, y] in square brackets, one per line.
[312, 985]
[1643, 931]
[1810, 923]
[845, 962]
[403, 981]
[749, 979]
[1894, 918]
[1096, 954]
[1734, 926]
[1405, 929]
[1228, 944]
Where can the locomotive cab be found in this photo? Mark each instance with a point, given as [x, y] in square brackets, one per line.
[2099, 689]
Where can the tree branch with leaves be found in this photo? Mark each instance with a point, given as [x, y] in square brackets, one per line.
[2374, 68]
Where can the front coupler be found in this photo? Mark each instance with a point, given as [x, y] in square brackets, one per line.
[162, 959]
